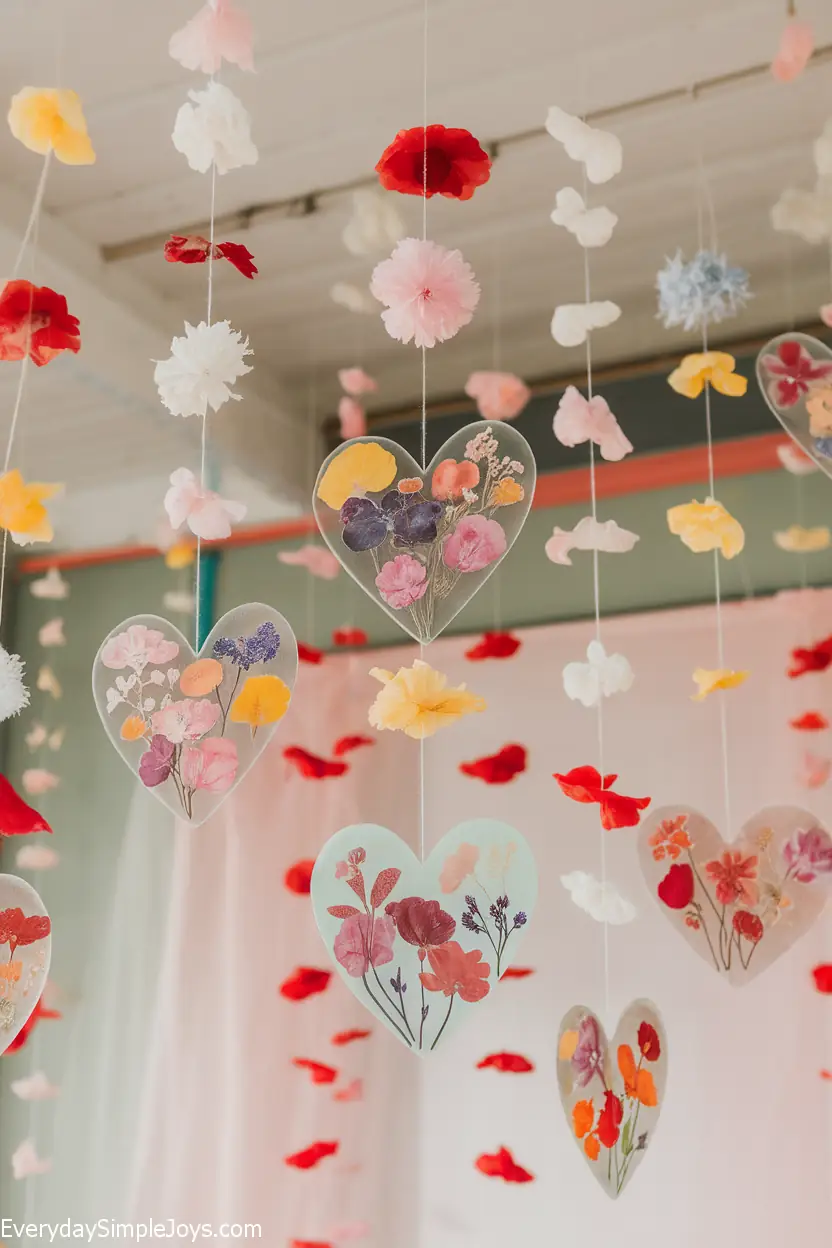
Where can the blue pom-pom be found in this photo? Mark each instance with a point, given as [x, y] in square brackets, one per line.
[701, 291]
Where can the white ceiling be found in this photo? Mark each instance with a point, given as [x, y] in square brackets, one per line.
[334, 83]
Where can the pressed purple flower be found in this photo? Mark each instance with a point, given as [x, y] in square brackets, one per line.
[808, 854]
[260, 647]
[588, 1058]
[520, 919]
[156, 764]
[411, 519]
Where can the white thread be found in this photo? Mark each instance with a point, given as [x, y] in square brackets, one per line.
[203, 435]
[424, 377]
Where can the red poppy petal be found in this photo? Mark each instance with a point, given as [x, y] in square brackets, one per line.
[182, 249]
[308, 654]
[305, 981]
[240, 257]
[16, 817]
[348, 1037]
[349, 637]
[499, 768]
[823, 977]
[517, 972]
[582, 784]
[319, 1073]
[501, 1165]
[511, 1063]
[494, 646]
[811, 721]
[618, 811]
[312, 766]
[345, 745]
[307, 1158]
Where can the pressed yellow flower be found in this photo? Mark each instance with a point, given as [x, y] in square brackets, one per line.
[133, 728]
[568, 1045]
[708, 682]
[716, 367]
[362, 468]
[418, 701]
[800, 541]
[181, 555]
[22, 512]
[45, 120]
[506, 492]
[707, 526]
[262, 700]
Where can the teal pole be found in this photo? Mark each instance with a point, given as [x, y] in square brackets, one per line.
[207, 593]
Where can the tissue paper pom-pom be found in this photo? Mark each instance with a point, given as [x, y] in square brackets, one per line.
[375, 225]
[602, 675]
[499, 396]
[598, 150]
[592, 227]
[47, 120]
[797, 43]
[434, 160]
[430, 292]
[601, 901]
[202, 367]
[583, 420]
[352, 418]
[355, 381]
[703, 291]
[217, 33]
[207, 515]
[14, 696]
[214, 129]
[35, 320]
[573, 322]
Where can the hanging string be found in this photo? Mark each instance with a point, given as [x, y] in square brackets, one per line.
[204, 429]
[312, 461]
[424, 428]
[496, 358]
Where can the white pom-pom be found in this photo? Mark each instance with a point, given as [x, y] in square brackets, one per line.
[202, 367]
[14, 696]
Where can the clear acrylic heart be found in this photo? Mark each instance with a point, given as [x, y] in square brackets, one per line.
[421, 542]
[422, 945]
[794, 373]
[26, 931]
[191, 726]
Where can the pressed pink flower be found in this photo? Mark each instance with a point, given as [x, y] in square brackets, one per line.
[474, 544]
[211, 765]
[797, 43]
[187, 720]
[458, 866]
[317, 560]
[402, 581]
[217, 33]
[808, 854]
[352, 944]
[207, 515]
[352, 418]
[589, 420]
[355, 381]
[498, 396]
[430, 292]
[137, 647]
[793, 372]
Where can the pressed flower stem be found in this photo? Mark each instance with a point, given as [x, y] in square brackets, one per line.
[379, 1006]
[720, 918]
[400, 995]
[391, 1002]
[704, 926]
[445, 1023]
[423, 1014]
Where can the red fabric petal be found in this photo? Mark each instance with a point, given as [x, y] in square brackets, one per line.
[512, 1063]
[501, 1165]
[621, 812]
[434, 160]
[305, 981]
[582, 784]
[494, 646]
[311, 766]
[517, 972]
[38, 319]
[345, 745]
[298, 878]
[308, 654]
[187, 249]
[240, 257]
[823, 977]
[39, 1013]
[308, 1158]
[499, 768]
[816, 658]
[16, 817]
[348, 1037]
[317, 1071]
[349, 637]
[812, 721]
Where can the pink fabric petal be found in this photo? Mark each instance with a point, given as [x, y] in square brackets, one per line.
[498, 396]
[217, 33]
[826, 315]
[797, 44]
[582, 420]
[317, 560]
[352, 418]
[355, 381]
[208, 516]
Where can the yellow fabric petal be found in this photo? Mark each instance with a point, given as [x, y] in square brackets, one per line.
[709, 681]
[685, 384]
[381, 673]
[721, 360]
[706, 526]
[51, 120]
[798, 540]
[731, 384]
[361, 468]
[180, 555]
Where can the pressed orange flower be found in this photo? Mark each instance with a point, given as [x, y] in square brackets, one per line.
[417, 701]
[133, 728]
[47, 120]
[410, 485]
[638, 1084]
[362, 468]
[583, 1116]
[670, 838]
[706, 526]
[181, 555]
[22, 512]
[715, 367]
[262, 700]
[506, 492]
[708, 682]
[201, 677]
[591, 1147]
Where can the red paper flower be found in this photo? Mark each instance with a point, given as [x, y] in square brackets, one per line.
[36, 320]
[583, 784]
[318, 1072]
[308, 654]
[16, 818]
[308, 1158]
[311, 766]
[823, 977]
[39, 1013]
[494, 646]
[511, 1063]
[609, 1120]
[678, 886]
[648, 1043]
[815, 659]
[812, 721]
[349, 1037]
[501, 1165]
[346, 745]
[499, 768]
[748, 925]
[517, 972]
[434, 161]
[180, 249]
[305, 981]
[349, 637]
[298, 878]
[793, 372]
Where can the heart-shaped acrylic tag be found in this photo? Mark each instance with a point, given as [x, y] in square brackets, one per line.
[612, 1094]
[420, 945]
[26, 929]
[739, 904]
[794, 373]
[191, 726]
[421, 542]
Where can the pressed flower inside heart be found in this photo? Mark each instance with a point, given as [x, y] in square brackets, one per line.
[263, 700]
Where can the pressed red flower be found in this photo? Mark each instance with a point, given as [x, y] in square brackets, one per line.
[420, 922]
[811, 721]
[494, 646]
[346, 745]
[748, 925]
[584, 784]
[349, 637]
[307, 1158]
[793, 372]
[511, 1063]
[735, 877]
[455, 971]
[499, 768]
[16, 817]
[312, 766]
[349, 1037]
[648, 1043]
[35, 320]
[194, 249]
[305, 981]
[308, 654]
[318, 1072]
[434, 160]
[17, 928]
[822, 975]
[39, 1013]
[609, 1120]
[678, 886]
[298, 878]
[501, 1165]
[517, 972]
[815, 658]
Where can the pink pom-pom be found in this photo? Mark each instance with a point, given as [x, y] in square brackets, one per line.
[352, 418]
[430, 292]
[217, 33]
[797, 44]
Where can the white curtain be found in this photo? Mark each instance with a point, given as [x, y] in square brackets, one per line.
[181, 1080]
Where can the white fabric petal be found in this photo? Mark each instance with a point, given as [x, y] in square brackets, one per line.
[597, 150]
[572, 322]
[589, 534]
[601, 676]
[601, 901]
[214, 128]
[592, 227]
[375, 226]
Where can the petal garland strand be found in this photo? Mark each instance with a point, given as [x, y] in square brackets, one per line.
[418, 701]
[434, 160]
[430, 292]
[706, 526]
[713, 367]
[47, 120]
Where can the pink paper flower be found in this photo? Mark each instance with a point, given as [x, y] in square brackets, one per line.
[352, 944]
[136, 647]
[355, 381]
[797, 43]
[499, 396]
[458, 866]
[37, 780]
[430, 292]
[402, 581]
[207, 515]
[317, 560]
[474, 544]
[211, 765]
[217, 33]
[793, 372]
[352, 418]
[187, 720]
[583, 420]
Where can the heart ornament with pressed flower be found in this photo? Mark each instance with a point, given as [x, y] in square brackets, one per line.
[190, 726]
[794, 373]
[26, 933]
[421, 541]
